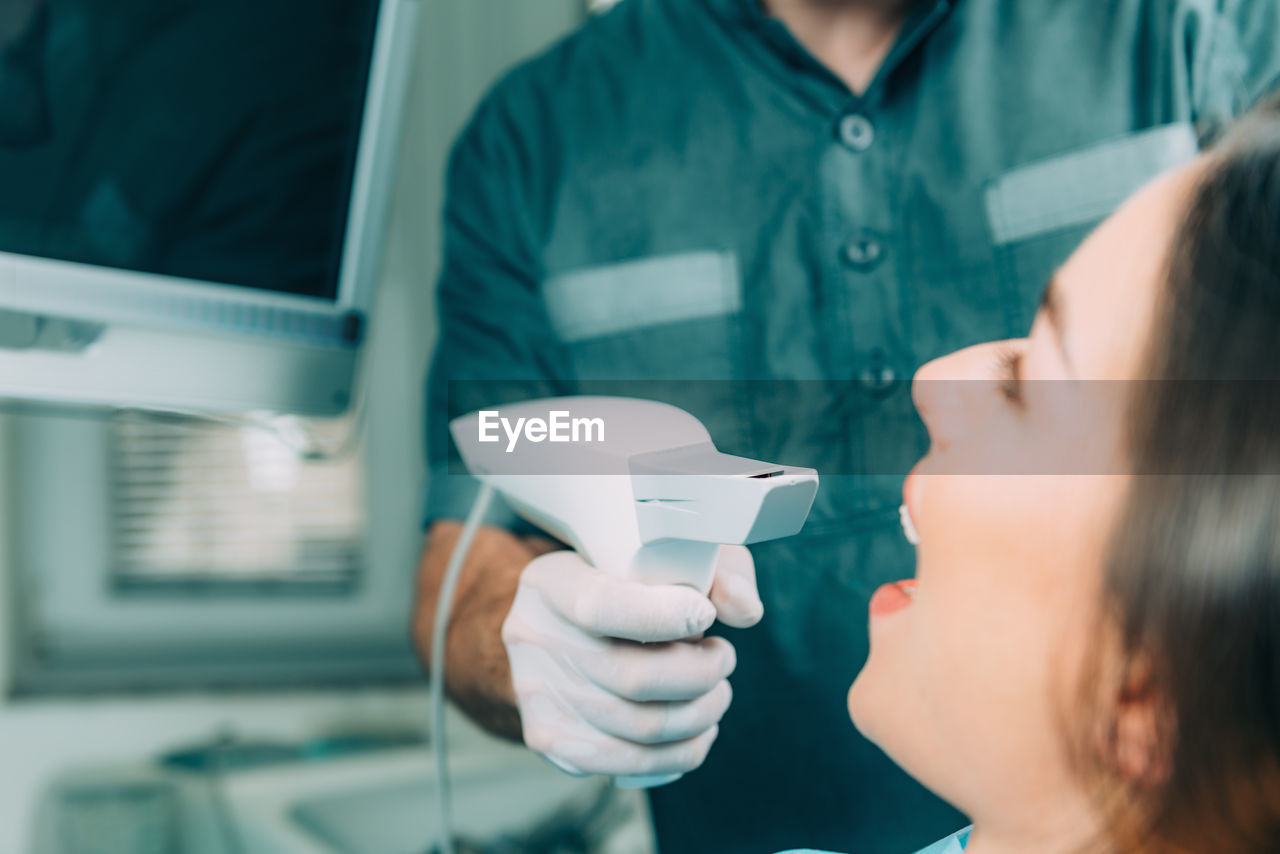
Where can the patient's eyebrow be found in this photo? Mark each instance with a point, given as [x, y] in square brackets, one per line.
[1051, 305]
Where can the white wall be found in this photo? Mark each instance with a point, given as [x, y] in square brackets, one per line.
[467, 43]
[464, 44]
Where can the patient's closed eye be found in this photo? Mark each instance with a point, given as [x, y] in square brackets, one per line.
[1009, 374]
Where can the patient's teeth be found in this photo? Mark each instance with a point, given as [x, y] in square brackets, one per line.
[908, 526]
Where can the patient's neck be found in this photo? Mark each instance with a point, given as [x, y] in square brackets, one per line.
[850, 37]
[1067, 826]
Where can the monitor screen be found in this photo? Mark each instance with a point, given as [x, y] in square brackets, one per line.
[194, 197]
[211, 140]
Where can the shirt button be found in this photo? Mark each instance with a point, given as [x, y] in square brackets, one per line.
[864, 253]
[878, 377]
[857, 132]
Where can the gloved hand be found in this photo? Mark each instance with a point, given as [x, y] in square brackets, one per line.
[609, 675]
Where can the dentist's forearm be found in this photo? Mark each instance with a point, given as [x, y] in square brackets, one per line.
[477, 672]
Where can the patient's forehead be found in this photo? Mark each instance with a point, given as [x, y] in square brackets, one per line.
[1109, 286]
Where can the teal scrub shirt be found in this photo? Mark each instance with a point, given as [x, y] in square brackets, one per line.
[679, 192]
[954, 844]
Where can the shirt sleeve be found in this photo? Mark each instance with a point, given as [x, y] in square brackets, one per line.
[1240, 63]
[1256, 24]
[495, 341]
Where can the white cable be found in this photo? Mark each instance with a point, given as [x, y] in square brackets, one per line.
[439, 635]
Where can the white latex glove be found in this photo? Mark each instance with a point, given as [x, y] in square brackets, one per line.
[609, 675]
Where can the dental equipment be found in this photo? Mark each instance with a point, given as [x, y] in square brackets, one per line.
[647, 496]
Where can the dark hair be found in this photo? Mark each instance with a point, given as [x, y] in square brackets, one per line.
[1192, 585]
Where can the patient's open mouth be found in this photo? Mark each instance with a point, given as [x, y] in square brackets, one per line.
[892, 597]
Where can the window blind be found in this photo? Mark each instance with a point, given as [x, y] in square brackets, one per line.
[194, 500]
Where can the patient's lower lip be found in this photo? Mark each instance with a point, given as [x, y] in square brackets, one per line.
[892, 597]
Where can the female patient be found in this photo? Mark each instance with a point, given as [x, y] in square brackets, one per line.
[1089, 656]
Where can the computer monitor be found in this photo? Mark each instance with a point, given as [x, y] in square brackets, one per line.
[193, 197]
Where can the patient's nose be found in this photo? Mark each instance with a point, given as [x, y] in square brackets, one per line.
[934, 396]
[944, 390]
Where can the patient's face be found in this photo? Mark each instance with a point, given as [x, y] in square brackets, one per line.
[967, 682]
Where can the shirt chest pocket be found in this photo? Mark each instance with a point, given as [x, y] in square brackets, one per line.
[1040, 212]
[670, 317]
[666, 327]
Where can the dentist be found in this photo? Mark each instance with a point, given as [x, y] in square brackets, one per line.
[764, 198]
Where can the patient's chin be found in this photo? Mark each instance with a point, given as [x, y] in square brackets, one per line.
[869, 707]
[881, 714]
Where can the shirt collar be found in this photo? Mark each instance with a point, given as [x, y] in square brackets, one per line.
[922, 19]
[753, 10]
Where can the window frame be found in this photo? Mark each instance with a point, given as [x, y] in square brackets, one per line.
[76, 631]
[72, 634]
